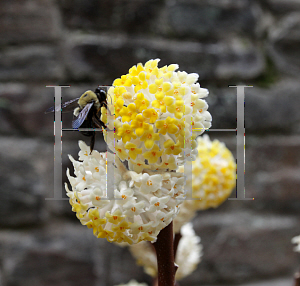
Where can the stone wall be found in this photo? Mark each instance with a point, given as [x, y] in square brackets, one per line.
[89, 43]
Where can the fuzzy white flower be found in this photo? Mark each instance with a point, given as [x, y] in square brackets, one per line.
[158, 115]
[188, 255]
[145, 203]
[296, 240]
[212, 179]
[133, 283]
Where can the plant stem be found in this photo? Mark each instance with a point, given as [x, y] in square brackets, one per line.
[165, 257]
[176, 242]
[297, 279]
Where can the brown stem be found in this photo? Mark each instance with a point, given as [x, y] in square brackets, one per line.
[176, 242]
[155, 282]
[297, 279]
[165, 257]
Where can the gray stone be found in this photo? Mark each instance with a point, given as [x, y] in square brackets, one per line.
[283, 6]
[63, 254]
[210, 19]
[284, 41]
[271, 109]
[28, 21]
[34, 63]
[24, 178]
[105, 58]
[128, 16]
[265, 109]
[239, 246]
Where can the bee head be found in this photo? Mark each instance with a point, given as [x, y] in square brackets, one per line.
[87, 97]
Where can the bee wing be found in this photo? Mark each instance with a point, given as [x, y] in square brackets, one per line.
[64, 107]
[82, 115]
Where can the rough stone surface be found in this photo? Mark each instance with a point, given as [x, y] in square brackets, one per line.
[34, 63]
[209, 20]
[242, 244]
[128, 16]
[282, 6]
[284, 41]
[24, 179]
[71, 253]
[28, 21]
[89, 43]
[105, 56]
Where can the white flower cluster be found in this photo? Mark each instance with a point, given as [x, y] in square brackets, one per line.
[296, 240]
[212, 179]
[188, 255]
[156, 110]
[145, 203]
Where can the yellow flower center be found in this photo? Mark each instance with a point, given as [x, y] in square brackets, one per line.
[154, 153]
[132, 149]
[149, 136]
[128, 131]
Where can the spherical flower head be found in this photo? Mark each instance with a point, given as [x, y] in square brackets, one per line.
[139, 206]
[162, 110]
[296, 240]
[188, 254]
[133, 283]
[212, 179]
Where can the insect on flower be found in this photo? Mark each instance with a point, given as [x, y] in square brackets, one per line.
[87, 111]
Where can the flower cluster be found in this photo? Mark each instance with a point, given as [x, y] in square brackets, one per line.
[144, 203]
[296, 240]
[212, 179]
[158, 115]
[188, 255]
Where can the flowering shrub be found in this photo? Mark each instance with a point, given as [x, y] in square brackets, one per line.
[155, 111]
[145, 203]
[212, 179]
[188, 255]
[158, 113]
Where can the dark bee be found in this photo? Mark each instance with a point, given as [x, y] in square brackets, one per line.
[87, 111]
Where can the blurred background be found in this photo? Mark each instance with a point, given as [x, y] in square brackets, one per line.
[89, 43]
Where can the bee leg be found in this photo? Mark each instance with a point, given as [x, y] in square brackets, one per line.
[92, 144]
[98, 122]
[103, 103]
